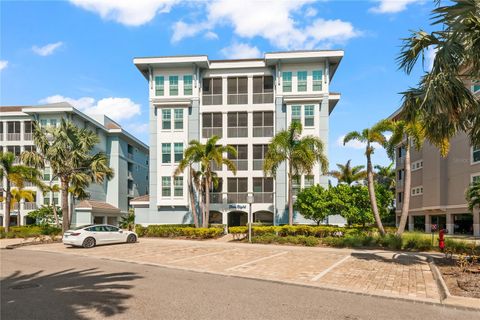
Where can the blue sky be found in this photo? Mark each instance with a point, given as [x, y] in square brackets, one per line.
[82, 50]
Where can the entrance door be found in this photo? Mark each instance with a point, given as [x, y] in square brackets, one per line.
[463, 223]
[440, 221]
[237, 218]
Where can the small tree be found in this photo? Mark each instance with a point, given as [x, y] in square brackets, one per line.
[473, 195]
[348, 174]
[46, 215]
[128, 221]
[314, 203]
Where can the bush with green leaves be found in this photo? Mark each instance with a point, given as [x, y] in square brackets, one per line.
[29, 231]
[178, 231]
[308, 241]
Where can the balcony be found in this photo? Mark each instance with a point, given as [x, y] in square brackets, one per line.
[13, 136]
[30, 206]
[241, 164]
[263, 131]
[131, 192]
[210, 132]
[27, 136]
[216, 197]
[211, 99]
[263, 197]
[263, 97]
[257, 164]
[237, 197]
[130, 156]
[237, 132]
[237, 98]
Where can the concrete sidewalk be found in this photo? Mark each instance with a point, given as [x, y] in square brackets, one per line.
[376, 272]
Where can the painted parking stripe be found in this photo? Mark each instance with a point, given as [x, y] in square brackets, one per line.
[324, 272]
[200, 256]
[256, 260]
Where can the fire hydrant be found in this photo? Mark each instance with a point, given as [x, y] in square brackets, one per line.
[441, 239]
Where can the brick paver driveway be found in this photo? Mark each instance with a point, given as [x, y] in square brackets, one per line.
[384, 273]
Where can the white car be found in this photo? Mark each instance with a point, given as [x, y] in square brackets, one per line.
[91, 235]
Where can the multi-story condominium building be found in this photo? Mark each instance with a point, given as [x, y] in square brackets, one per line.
[438, 185]
[244, 102]
[127, 155]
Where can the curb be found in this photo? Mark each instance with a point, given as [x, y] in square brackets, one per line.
[30, 243]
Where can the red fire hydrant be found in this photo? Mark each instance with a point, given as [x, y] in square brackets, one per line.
[441, 239]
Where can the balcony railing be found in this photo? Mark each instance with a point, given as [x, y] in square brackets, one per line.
[211, 99]
[399, 184]
[237, 197]
[130, 156]
[237, 132]
[215, 166]
[263, 131]
[263, 197]
[263, 97]
[257, 164]
[210, 132]
[216, 197]
[240, 98]
[1, 136]
[16, 206]
[131, 192]
[241, 164]
[13, 136]
[27, 136]
[30, 206]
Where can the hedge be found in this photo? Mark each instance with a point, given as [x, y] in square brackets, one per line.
[301, 230]
[175, 231]
[29, 231]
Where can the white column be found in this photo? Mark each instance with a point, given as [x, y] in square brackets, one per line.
[411, 226]
[476, 222]
[22, 130]
[450, 225]
[428, 223]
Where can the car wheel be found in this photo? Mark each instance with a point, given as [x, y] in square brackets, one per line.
[131, 238]
[89, 242]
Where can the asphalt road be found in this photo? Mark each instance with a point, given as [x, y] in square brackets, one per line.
[41, 285]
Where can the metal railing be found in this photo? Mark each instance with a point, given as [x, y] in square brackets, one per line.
[215, 166]
[263, 97]
[237, 98]
[211, 99]
[27, 136]
[263, 131]
[216, 197]
[237, 132]
[210, 132]
[263, 197]
[13, 136]
[131, 192]
[237, 197]
[241, 164]
[257, 164]
[130, 175]
[29, 205]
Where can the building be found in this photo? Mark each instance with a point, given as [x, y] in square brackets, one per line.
[438, 185]
[127, 155]
[244, 102]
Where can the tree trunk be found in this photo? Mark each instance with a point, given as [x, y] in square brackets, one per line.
[406, 191]
[290, 195]
[55, 215]
[65, 207]
[192, 198]
[373, 198]
[207, 203]
[8, 200]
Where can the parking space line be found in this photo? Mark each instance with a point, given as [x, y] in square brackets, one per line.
[200, 256]
[324, 272]
[256, 260]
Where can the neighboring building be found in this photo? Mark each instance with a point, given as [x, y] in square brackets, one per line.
[244, 102]
[437, 194]
[127, 155]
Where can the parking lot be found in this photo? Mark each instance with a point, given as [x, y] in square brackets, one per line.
[382, 273]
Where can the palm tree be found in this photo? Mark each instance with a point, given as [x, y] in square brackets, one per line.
[472, 195]
[348, 174]
[17, 195]
[16, 174]
[441, 96]
[53, 188]
[300, 153]
[68, 150]
[406, 134]
[128, 221]
[205, 155]
[369, 136]
[385, 175]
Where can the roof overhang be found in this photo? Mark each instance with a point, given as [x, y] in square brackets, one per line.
[333, 99]
[145, 63]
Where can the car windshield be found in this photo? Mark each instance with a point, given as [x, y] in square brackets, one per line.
[81, 227]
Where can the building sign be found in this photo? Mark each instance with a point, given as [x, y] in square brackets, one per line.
[237, 206]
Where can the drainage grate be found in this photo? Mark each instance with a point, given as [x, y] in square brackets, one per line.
[25, 286]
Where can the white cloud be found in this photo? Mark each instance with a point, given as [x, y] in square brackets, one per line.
[355, 144]
[310, 12]
[211, 35]
[115, 108]
[138, 127]
[271, 20]
[240, 51]
[391, 6]
[3, 64]
[48, 49]
[127, 12]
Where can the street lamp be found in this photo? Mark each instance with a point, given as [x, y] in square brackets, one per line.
[250, 200]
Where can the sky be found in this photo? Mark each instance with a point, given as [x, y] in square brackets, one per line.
[81, 51]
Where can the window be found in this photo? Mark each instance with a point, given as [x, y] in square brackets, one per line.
[417, 191]
[399, 197]
[401, 151]
[178, 152]
[178, 187]
[476, 86]
[241, 160]
[317, 80]
[475, 155]
[46, 174]
[166, 119]
[262, 89]
[309, 116]
[166, 187]
[237, 124]
[178, 119]
[475, 177]
[237, 90]
[212, 91]
[212, 124]
[287, 81]
[173, 85]
[259, 152]
[400, 174]
[263, 124]
[237, 190]
[13, 130]
[296, 184]
[301, 81]
[187, 85]
[166, 153]
[296, 113]
[159, 86]
[309, 181]
[53, 122]
[417, 165]
[263, 190]
[43, 122]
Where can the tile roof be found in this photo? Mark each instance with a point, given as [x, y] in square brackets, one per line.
[96, 205]
[145, 197]
[11, 108]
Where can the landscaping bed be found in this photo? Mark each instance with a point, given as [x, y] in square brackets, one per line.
[460, 283]
[29, 232]
[180, 231]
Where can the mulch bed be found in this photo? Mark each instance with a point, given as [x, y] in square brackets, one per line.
[465, 284]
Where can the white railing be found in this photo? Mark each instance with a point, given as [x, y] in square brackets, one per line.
[237, 197]
[263, 131]
[237, 98]
[29, 205]
[13, 136]
[263, 97]
[237, 132]
[210, 132]
[27, 136]
[216, 197]
[241, 164]
[211, 99]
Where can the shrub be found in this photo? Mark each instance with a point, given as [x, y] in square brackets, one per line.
[417, 241]
[390, 241]
[309, 241]
[172, 231]
[29, 231]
